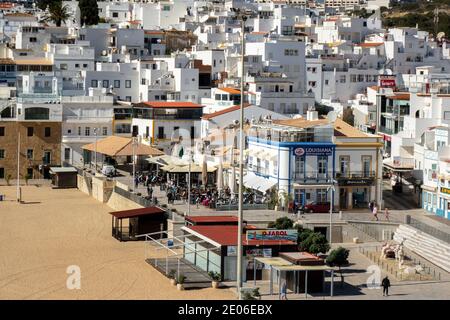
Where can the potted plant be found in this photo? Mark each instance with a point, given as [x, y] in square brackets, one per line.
[215, 277]
[180, 282]
[171, 276]
[256, 294]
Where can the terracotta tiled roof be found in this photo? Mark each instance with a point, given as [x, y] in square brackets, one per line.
[121, 146]
[6, 61]
[230, 90]
[370, 44]
[224, 111]
[171, 104]
[400, 96]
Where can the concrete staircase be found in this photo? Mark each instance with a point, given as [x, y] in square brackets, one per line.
[426, 246]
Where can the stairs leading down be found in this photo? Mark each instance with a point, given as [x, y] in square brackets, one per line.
[426, 246]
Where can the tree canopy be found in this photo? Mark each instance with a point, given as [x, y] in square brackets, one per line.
[282, 223]
[58, 13]
[88, 12]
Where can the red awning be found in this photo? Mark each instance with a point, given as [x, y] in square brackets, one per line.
[136, 212]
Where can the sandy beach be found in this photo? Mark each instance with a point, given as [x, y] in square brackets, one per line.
[54, 229]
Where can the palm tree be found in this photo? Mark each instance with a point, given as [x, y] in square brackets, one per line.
[58, 13]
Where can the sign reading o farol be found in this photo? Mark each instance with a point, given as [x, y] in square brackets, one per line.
[313, 151]
[270, 234]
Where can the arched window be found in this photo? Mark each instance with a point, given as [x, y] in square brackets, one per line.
[418, 114]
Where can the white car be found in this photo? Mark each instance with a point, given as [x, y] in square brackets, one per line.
[109, 171]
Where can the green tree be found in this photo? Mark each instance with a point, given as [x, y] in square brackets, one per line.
[88, 12]
[58, 13]
[348, 116]
[322, 109]
[282, 223]
[312, 242]
[338, 258]
[43, 4]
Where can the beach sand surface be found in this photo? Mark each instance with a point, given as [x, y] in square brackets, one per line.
[54, 229]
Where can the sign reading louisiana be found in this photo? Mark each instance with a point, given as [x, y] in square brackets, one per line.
[270, 234]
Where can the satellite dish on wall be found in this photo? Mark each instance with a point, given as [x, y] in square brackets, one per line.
[331, 117]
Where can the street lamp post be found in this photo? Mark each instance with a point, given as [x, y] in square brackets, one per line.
[133, 144]
[241, 163]
[332, 189]
[189, 184]
[95, 154]
[18, 166]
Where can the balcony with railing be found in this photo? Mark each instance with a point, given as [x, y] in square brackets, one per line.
[312, 177]
[355, 174]
[387, 130]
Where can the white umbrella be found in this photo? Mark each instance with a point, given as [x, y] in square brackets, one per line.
[204, 172]
[220, 176]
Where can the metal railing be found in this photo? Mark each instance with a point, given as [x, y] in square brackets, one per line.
[134, 197]
[311, 176]
[355, 174]
[432, 231]
[234, 206]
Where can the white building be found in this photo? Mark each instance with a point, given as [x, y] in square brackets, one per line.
[85, 119]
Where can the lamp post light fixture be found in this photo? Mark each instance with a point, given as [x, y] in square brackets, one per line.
[189, 183]
[95, 154]
[133, 144]
[333, 190]
[242, 16]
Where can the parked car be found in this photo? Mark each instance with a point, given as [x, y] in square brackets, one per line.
[109, 171]
[317, 207]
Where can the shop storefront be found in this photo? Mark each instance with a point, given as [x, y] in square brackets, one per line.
[355, 192]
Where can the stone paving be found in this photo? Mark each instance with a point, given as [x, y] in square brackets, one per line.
[355, 286]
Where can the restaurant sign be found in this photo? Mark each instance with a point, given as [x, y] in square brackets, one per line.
[445, 190]
[356, 182]
[313, 151]
[270, 234]
[387, 81]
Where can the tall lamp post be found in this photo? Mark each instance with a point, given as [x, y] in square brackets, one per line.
[133, 144]
[95, 154]
[332, 189]
[243, 18]
[18, 166]
[189, 183]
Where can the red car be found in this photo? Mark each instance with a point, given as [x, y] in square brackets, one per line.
[319, 207]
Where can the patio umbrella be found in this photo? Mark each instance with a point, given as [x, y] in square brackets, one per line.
[204, 172]
[220, 177]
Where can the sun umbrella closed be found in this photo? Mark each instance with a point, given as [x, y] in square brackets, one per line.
[204, 172]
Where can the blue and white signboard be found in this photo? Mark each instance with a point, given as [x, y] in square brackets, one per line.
[270, 234]
[313, 151]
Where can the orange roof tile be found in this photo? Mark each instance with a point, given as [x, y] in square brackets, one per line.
[224, 111]
[401, 96]
[171, 104]
[230, 90]
[369, 44]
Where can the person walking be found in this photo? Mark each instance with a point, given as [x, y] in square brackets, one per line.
[136, 182]
[375, 212]
[386, 284]
[371, 206]
[386, 213]
[149, 191]
[283, 293]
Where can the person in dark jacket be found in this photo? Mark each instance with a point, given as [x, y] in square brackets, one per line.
[386, 284]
